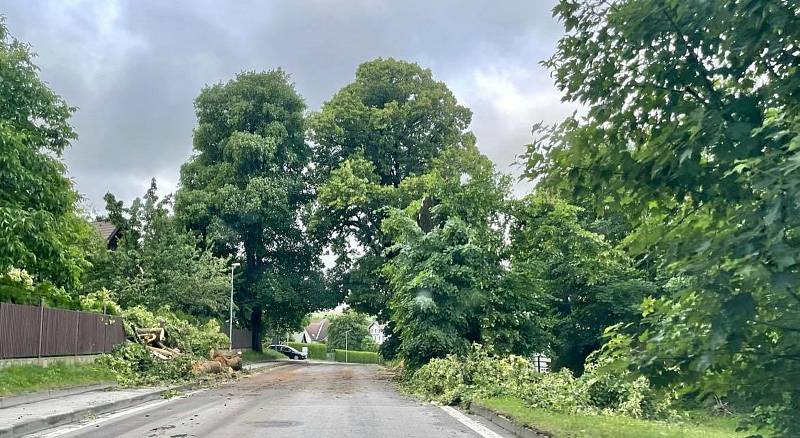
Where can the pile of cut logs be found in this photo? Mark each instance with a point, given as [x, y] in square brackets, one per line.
[221, 361]
[154, 339]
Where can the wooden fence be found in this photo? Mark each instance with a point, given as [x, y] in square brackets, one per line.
[31, 331]
[242, 338]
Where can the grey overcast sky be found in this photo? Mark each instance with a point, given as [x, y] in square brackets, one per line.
[134, 67]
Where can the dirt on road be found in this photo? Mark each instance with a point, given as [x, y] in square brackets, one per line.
[293, 400]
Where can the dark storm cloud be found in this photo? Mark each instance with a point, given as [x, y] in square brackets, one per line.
[133, 68]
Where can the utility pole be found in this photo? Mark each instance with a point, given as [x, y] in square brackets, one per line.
[230, 321]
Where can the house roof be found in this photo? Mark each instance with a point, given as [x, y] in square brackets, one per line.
[318, 330]
[105, 228]
[380, 326]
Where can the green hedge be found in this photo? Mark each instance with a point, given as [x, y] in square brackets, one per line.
[358, 356]
[316, 350]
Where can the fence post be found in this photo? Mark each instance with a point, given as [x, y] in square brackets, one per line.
[2, 355]
[77, 330]
[105, 328]
[41, 326]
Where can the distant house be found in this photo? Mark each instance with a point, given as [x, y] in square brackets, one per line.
[541, 363]
[317, 331]
[376, 331]
[109, 232]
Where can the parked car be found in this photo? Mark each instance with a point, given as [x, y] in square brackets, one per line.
[288, 351]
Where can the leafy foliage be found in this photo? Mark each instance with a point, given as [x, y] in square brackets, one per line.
[391, 123]
[195, 339]
[245, 189]
[100, 302]
[395, 114]
[18, 287]
[583, 284]
[354, 327]
[445, 278]
[133, 365]
[441, 282]
[40, 230]
[158, 263]
[692, 135]
[451, 379]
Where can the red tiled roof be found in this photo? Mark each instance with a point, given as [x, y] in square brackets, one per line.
[318, 330]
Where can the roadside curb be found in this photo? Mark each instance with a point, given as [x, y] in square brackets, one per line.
[41, 423]
[16, 400]
[505, 423]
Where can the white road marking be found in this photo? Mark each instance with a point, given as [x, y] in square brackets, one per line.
[480, 429]
[108, 417]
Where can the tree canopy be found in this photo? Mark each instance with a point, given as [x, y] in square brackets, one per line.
[395, 114]
[390, 123]
[244, 192]
[581, 282]
[692, 135]
[157, 262]
[350, 330]
[40, 227]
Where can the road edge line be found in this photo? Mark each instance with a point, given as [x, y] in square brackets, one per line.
[110, 415]
[476, 427]
[505, 423]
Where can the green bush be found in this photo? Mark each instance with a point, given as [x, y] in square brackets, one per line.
[452, 379]
[251, 356]
[440, 380]
[350, 329]
[498, 376]
[316, 350]
[18, 287]
[197, 340]
[100, 301]
[598, 391]
[133, 365]
[358, 356]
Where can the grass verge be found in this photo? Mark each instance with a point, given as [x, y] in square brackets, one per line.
[560, 425]
[21, 379]
[267, 354]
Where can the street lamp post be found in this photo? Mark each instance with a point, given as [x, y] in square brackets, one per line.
[230, 321]
[345, 345]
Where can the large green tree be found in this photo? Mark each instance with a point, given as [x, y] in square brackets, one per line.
[448, 284]
[390, 123]
[582, 283]
[349, 330]
[692, 133]
[395, 114]
[244, 191]
[40, 229]
[157, 262]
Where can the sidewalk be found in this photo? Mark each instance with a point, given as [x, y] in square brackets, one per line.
[32, 417]
[74, 405]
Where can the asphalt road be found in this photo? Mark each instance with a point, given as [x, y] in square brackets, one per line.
[294, 400]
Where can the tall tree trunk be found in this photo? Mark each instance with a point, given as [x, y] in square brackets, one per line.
[256, 326]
